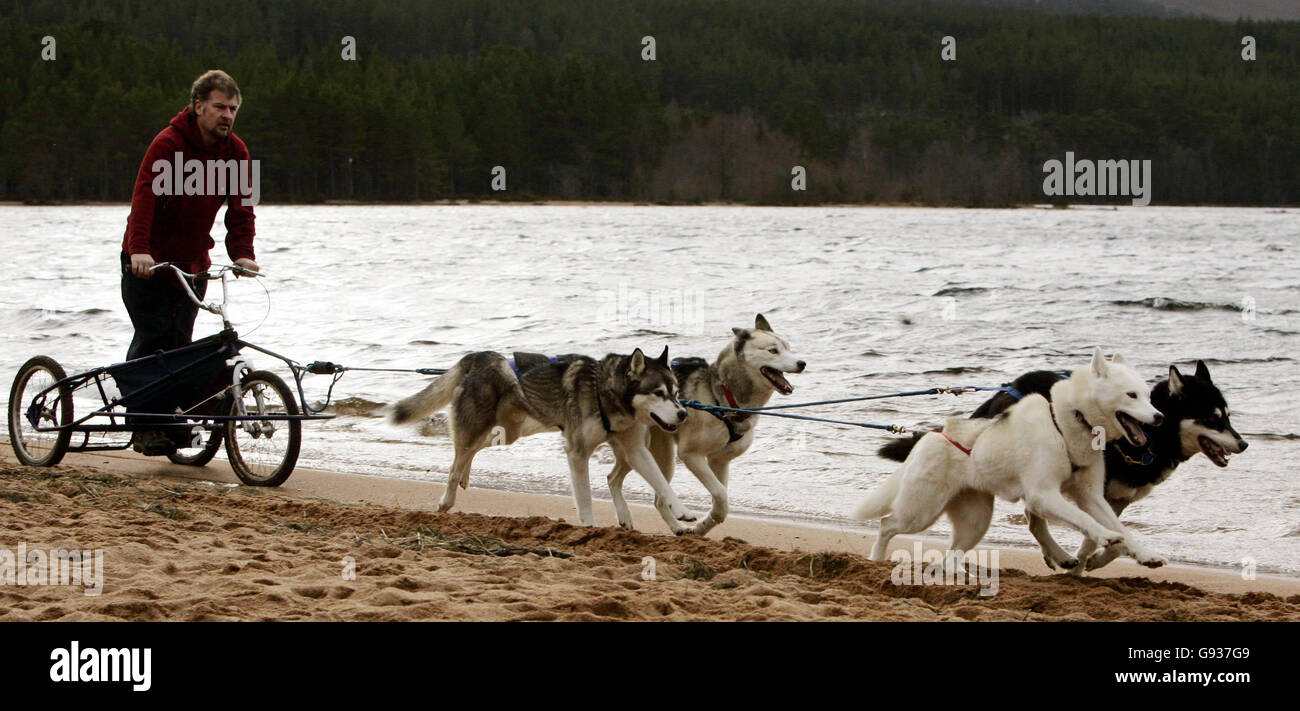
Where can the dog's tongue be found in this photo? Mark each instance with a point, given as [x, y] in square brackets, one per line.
[1134, 430]
[1214, 452]
[778, 380]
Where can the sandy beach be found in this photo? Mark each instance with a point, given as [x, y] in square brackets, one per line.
[187, 544]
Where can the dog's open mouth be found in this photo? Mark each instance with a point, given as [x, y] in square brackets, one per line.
[663, 425]
[777, 379]
[1216, 453]
[1132, 429]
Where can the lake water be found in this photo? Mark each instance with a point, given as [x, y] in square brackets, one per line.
[875, 300]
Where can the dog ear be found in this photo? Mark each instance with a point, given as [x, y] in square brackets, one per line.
[1099, 365]
[1202, 372]
[742, 334]
[761, 324]
[637, 366]
[1118, 359]
[1175, 381]
[663, 357]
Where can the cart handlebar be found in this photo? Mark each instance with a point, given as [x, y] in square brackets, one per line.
[221, 272]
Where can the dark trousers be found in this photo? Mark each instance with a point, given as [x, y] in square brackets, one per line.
[160, 310]
[163, 316]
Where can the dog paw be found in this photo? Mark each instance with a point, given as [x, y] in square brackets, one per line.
[625, 525]
[702, 527]
[1150, 561]
[1111, 539]
[1050, 564]
[444, 508]
[686, 516]
[1070, 563]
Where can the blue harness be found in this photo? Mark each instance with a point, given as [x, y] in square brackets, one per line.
[732, 434]
[604, 419]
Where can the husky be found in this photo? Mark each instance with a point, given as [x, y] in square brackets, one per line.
[1196, 421]
[1039, 449]
[615, 400]
[748, 370]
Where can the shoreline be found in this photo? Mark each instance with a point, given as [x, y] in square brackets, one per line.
[186, 544]
[756, 530]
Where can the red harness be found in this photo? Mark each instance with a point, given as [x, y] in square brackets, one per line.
[731, 400]
[964, 450]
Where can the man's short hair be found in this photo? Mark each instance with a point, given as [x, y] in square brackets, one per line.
[209, 80]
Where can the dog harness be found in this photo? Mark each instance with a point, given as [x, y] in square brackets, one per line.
[732, 434]
[964, 450]
[604, 419]
[1021, 396]
[1073, 467]
[519, 374]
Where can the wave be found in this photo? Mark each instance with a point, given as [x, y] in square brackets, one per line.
[356, 407]
[1282, 436]
[63, 312]
[1162, 303]
[955, 370]
[1238, 361]
[954, 290]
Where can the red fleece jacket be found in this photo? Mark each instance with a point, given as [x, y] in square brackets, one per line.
[174, 228]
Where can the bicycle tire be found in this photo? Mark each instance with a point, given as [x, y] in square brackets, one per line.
[60, 413]
[256, 463]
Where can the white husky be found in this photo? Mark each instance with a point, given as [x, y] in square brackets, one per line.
[1048, 454]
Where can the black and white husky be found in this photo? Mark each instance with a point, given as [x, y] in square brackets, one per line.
[1196, 421]
[1048, 453]
[615, 400]
[747, 371]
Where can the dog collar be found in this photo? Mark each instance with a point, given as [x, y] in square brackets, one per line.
[1148, 456]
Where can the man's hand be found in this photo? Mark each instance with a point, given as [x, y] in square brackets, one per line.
[141, 264]
[248, 264]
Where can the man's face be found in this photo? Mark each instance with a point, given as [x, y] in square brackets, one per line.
[216, 116]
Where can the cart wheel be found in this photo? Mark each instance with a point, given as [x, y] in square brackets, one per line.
[199, 456]
[263, 452]
[33, 448]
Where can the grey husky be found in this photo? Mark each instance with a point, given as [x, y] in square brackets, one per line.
[748, 370]
[614, 400]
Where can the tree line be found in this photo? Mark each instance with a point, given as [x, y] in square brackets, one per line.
[739, 91]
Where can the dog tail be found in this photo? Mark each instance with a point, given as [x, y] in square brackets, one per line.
[898, 449]
[429, 400]
[879, 502]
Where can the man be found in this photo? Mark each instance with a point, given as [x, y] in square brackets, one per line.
[167, 227]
